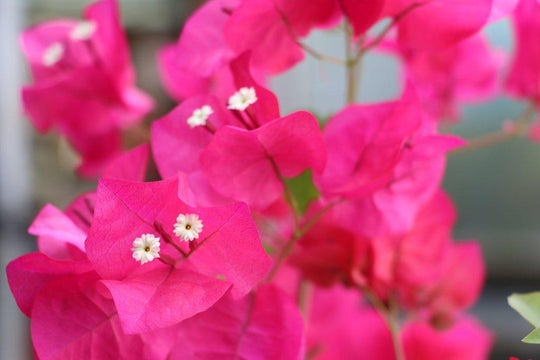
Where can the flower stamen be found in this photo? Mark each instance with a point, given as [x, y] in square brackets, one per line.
[83, 31]
[200, 116]
[242, 99]
[53, 54]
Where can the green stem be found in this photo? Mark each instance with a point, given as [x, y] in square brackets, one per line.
[390, 314]
[298, 233]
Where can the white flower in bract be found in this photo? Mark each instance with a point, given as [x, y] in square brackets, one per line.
[53, 54]
[145, 248]
[188, 226]
[200, 116]
[83, 30]
[242, 99]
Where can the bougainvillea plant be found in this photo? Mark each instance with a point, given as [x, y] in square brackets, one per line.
[267, 235]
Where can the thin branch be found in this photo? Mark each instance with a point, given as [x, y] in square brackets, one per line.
[352, 85]
[321, 57]
[316, 54]
[500, 136]
[380, 37]
[390, 315]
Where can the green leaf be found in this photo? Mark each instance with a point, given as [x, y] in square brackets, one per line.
[528, 306]
[303, 190]
[533, 337]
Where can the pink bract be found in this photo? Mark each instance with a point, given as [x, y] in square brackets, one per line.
[467, 339]
[445, 80]
[344, 331]
[415, 178]
[249, 165]
[131, 165]
[364, 144]
[524, 77]
[198, 63]
[263, 325]
[72, 319]
[461, 283]
[270, 29]
[438, 24]
[228, 253]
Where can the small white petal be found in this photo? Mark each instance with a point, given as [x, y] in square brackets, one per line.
[200, 116]
[83, 30]
[145, 248]
[53, 54]
[242, 99]
[188, 227]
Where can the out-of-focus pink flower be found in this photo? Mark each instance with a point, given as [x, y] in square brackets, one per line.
[270, 29]
[410, 265]
[461, 283]
[501, 9]
[438, 24]
[84, 83]
[191, 273]
[342, 327]
[387, 161]
[446, 79]
[392, 210]
[524, 77]
[362, 14]
[364, 144]
[467, 339]
[198, 63]
[265, 324]
[131, 165]
[352, 328]
[328, 253]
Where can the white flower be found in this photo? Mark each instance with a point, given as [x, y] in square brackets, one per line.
[188, 226]
[200, 116]
[53, 54]
[83, 30]
[145, 248]
[242, 99]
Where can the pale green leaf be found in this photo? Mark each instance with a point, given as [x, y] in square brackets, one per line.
[528, 306]
[533, 337]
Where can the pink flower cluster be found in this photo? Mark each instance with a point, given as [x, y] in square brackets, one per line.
[84, 84]
[218, 259]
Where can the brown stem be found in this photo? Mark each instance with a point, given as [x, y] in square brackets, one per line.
[500, 136]
[307, 48]
[166, 237]
[352, 85]
[319, 56]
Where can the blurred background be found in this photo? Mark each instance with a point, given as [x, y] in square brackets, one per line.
[496, 190]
